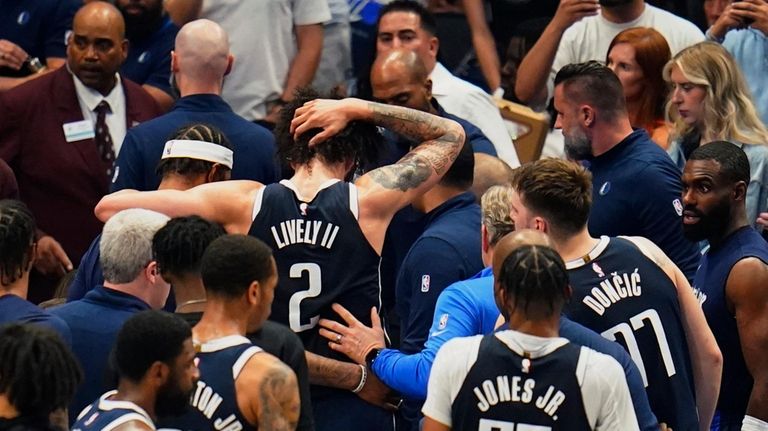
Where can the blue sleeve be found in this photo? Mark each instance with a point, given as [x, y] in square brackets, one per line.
[408, 374]
[129, 166]
[430, 266]
[88, 274]
[160, 73]
[480, 143]
[583, 336]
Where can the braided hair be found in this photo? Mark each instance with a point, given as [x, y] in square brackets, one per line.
[17, 235]
[38, 373]
[186, 166]
[178, 246]
[534, 278]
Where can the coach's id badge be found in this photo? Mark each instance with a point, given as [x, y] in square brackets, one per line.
[78, 130]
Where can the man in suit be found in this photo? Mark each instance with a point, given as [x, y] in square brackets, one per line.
[60, 134]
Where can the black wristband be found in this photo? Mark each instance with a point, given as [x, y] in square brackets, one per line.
[371, 357]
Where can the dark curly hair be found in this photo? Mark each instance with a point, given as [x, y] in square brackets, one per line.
[359, 141]
[17, 234]
[187, 166]
[179, 245]
[38, 372]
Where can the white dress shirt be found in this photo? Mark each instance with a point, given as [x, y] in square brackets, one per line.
[116, 119]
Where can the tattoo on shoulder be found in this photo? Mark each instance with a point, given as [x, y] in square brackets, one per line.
[410, 172]
[278, 395]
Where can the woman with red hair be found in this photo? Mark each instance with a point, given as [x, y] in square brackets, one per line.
[637, 56]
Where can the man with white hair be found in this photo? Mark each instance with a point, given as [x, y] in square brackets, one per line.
[199, 63]
[132, 283]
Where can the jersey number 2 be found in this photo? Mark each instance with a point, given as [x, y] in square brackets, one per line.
[294, 304]
[634, 350]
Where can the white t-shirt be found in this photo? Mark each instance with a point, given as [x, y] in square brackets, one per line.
[607, 402]
[589, 38]
[262, 40]
[470, 102]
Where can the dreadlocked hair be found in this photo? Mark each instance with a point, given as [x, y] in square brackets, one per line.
[178, 246]
[38, 373]
[358, 141]
[17, 235]
[188, 166]
[534, 278]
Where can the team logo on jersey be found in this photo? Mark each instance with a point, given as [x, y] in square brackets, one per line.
[303, 208]
[526, 365]
[143, 57]
[443, 322]
[678, 207]
[23, 18]
[425, 283]
[597, 269]
[605, 188]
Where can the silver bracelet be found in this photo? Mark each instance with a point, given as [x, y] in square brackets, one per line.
[363, 378]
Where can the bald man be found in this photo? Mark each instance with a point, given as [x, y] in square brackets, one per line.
[200, 61]
[399, 78]
[60, 134]
[489, 171]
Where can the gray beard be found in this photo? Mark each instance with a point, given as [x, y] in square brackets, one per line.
[577, 147]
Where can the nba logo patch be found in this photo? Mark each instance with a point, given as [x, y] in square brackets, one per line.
[597, 269]
[678, 207]
[23, 18]
[443, 322]
[425, 283]
[143, 57]
[168, 148]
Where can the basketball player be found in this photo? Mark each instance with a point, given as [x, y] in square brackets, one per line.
[626, 289]
[731, 280]
[527, 377]
[241, 387]
[327, 234]
[155, 361]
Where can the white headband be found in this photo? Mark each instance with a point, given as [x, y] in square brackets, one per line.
[200, 150]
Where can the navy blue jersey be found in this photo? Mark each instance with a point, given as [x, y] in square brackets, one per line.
[503, 387]
[625, 296]
[213, 404]
[709, 285]
[105, 414]
[322, 257]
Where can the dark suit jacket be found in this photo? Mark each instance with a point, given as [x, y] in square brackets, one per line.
[60, 181]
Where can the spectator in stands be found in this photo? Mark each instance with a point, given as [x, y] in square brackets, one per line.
[591, 110]
[60, 134]
[38, 376]
[713, 10]
[581, 30]
[277, 44]
[17, 254]
[710, 102]
[637, 56]
[151, 34]
[335, 67]
[200, 62]
[406, 24]
[742, 29]
[32, 36]
[132, 283]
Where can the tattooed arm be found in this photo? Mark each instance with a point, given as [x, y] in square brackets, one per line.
[268, 394]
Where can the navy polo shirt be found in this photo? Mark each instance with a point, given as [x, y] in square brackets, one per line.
[636, 191]
[254, 146]
[39, 27]
[149, 58]
[15, 309]
[95, 321]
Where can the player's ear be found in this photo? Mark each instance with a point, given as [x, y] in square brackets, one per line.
[159, 373]
[254, 293]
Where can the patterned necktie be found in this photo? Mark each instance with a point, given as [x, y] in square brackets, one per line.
[103, 139]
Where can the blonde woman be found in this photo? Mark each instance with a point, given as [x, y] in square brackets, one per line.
[709, 101]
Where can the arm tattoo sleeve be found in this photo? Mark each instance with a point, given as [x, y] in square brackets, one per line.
[440, 144]
[279, 400]
[330, 372]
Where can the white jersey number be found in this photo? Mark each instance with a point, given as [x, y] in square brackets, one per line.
[634, 350]
[493, 425]
[294, 304]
